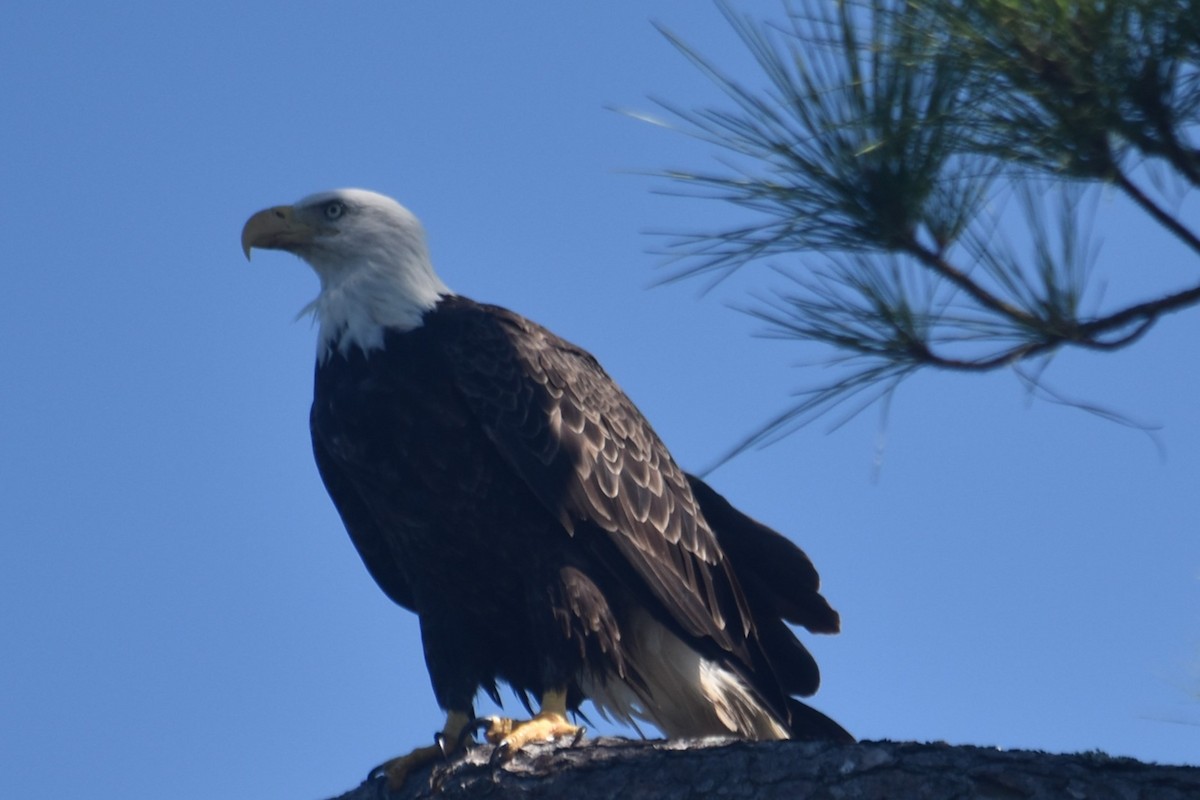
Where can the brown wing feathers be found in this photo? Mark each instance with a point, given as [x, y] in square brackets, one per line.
[593, 461]
[597, 461]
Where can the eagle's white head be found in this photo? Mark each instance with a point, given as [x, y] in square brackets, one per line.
[370, 254]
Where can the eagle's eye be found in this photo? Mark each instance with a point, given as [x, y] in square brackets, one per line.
[334, 209]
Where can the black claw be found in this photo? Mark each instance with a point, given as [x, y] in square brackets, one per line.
[579, 734]
[499, 754]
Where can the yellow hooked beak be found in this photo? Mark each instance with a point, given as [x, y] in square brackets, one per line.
[276, 228]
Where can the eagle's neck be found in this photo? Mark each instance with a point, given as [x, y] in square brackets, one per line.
[359, 302]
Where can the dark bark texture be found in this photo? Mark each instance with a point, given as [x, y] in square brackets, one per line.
[619, 769]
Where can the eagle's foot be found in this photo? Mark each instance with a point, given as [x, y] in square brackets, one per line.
[509, 736]
[398, 769]
[447, 742]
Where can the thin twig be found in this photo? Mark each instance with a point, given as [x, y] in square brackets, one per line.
[1162, 217]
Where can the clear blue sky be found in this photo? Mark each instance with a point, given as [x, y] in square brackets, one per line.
[180, 609]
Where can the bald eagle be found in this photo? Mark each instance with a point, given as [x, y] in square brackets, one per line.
[498, 483]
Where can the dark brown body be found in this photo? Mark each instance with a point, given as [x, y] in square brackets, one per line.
[498, 483]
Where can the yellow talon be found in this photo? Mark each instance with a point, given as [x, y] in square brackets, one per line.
[509, 736]
[398, 769]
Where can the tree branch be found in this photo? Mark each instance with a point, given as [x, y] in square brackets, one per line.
[883, 137]
[963, 281]
[1160, 216]
[607, 769]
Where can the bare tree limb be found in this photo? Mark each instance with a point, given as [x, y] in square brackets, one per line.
[618, 769]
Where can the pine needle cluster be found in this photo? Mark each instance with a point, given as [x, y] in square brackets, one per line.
[888, 134]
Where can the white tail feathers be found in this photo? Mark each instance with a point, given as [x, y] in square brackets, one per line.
[682, 693]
